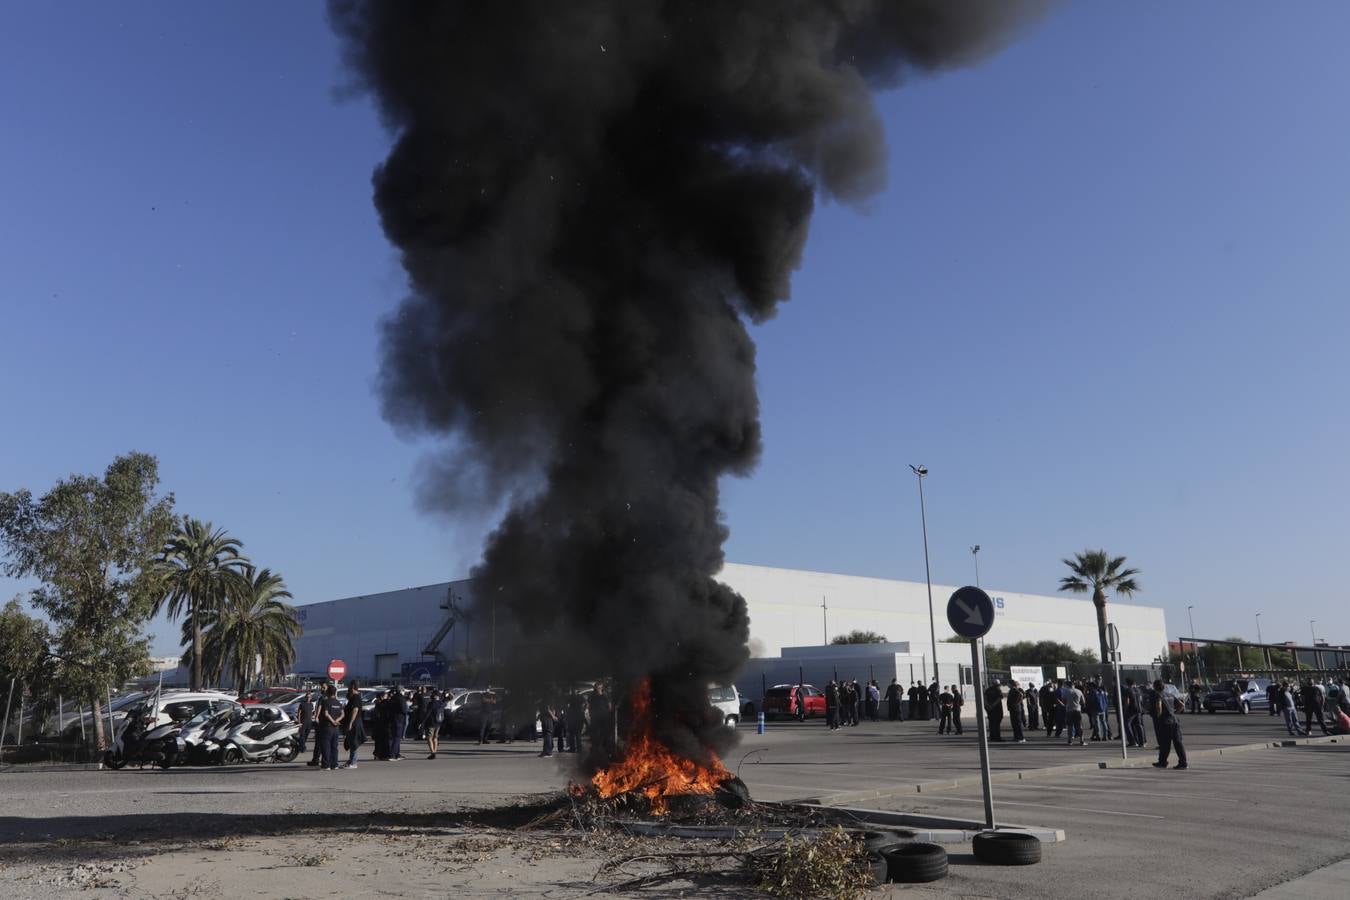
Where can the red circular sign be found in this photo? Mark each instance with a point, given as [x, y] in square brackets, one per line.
[336, 669]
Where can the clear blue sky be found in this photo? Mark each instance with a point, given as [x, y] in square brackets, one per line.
[1103, 299]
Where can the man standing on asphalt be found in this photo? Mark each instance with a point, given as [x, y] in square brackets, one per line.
[832, 705]
[546, 724]
[993, 710]
[1049, 697]
[353, 725]
[873, 700]
[398, 705]
[893, 700]
[1073, 711]
[1166, 728]
[800, 703]
[602, 724]
[1289, 709]
[958, 701]
[1312, 706]
[1273, 697]
[913, 695]
[1092, 706]
[1033, 707]
[330, 726]
[576, 719]
[305, 711]
[1017, 712]
[435, 718]
[945, 702]
[934, 690]
[1134, 715]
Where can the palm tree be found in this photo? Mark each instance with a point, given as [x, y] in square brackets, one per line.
[253, 632]
[1094, 571]
[201, 565]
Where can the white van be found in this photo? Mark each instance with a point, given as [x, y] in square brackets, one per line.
[726, 700]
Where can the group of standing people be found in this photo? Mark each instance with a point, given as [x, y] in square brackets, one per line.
[846, 702]
[396, 715]
[1317, 701]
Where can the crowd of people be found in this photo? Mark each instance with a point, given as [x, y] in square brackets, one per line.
[1078, 711]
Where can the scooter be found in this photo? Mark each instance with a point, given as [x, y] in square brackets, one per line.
[139, 740]
[267, 734]
[200, 744]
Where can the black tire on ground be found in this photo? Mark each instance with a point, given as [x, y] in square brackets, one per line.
[883, 839]
[877, 863]
[113, 761]
[232, 756]
[1007, 848]
[286, 751]
[166, 761]
[915, 863]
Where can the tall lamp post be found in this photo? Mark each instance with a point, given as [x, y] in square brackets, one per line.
[1259, 639]
[975, 552]
[1194, 649]
[1312, 627]
[919, 472]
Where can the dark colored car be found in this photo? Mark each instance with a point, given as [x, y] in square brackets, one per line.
[1241, 695]
[781, 700]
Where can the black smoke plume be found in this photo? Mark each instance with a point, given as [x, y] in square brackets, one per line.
[591, 197]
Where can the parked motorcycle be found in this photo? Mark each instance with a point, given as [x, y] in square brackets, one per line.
[265, 734]
[140, 740]
[202, 739]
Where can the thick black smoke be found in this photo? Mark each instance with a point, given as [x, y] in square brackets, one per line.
[591, 197]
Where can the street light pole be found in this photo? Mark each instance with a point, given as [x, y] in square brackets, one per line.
[975, 552]
[920, 472]
[1259, 639]
[1312, 623]
[1194, 649]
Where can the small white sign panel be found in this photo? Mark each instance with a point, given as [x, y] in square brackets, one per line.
[1025, 675]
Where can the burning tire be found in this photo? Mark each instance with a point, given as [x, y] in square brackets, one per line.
[1007, 848]
[915, 863]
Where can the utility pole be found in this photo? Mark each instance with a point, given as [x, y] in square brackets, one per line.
[920, 472]
[824, 622]
[975, 552]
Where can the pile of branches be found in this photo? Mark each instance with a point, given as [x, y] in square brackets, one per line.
[833, 864]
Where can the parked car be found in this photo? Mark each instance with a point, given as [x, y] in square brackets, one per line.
[1239, 694]
[727, 701]
[781, 700]
[1171, 692]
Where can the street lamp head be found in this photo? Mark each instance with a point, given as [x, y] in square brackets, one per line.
[920, 470]
[975, 549]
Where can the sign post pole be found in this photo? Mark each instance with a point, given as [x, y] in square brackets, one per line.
[1113, 643]
[970, 612]
[983, 729]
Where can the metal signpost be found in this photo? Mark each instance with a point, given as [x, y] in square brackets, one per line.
[970, 612]
[1113, 644]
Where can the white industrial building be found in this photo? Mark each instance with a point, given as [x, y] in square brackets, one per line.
[410, 632]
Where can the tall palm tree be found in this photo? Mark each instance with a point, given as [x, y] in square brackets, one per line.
[201, 566]
[253, 632]
[1094, 570]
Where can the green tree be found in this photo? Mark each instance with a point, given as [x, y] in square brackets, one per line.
[1031, 653]
[201, 566]
[253, 631]
[25, 652]
[92, 543]
[857, 636]
[1094, 571]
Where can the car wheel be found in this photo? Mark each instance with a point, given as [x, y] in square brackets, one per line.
[732, 721]
[1007, 848]
[916, 863]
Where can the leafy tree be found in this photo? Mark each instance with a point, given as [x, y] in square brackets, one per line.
[92, 543]
[252, 632]
[25, 651]
[201, 566]
[1031, 653]
[1094, 571]
[857, 636]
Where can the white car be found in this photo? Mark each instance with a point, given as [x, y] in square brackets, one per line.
[726, 700]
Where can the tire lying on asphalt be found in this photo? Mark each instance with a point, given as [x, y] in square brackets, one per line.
[915, 862]
[883, 839]
[879, 867]
[1007, 848]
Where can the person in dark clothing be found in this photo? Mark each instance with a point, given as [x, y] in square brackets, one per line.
[1033, 699]
[1134, 714]
[855, 710]
[993, 710]
[398, 706]
[418, 713]
[832, 705]
[1017, 711]
[487, 714]
[305, 712]
[330, 726]
[934, 691]
[353, 726]
[873, 700]
[1272, 698]
[1092, 705]
[379, 726]
[548, 725]
[945, 703]
[319, 694]
[435, 718]
[1167, 729]
[958, 702]
[576, 719]
[602, 724]
[893, 701]
[913, 701]
[799, 703]
[1048, 697]
[1312, 706]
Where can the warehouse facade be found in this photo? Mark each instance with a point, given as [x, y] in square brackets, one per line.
[424, 630]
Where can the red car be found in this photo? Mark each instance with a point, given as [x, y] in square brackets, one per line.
[264, 695]
[781, 700]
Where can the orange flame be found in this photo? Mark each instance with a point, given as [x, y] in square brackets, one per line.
[649, 767]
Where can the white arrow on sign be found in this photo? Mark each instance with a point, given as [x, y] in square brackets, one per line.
[973, 616]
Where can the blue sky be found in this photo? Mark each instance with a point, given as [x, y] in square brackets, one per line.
[1102, 299]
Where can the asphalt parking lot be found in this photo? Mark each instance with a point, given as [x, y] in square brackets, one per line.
[1231, 826]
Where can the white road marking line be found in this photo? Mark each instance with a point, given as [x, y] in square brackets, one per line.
[1035, 783]
[1104, 812]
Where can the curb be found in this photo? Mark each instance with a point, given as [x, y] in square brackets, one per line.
[948, 784]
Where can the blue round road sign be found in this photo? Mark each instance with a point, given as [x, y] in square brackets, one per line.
[970, 612]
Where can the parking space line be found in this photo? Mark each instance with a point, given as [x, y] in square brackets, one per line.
[1039, 785]
[997, 802]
